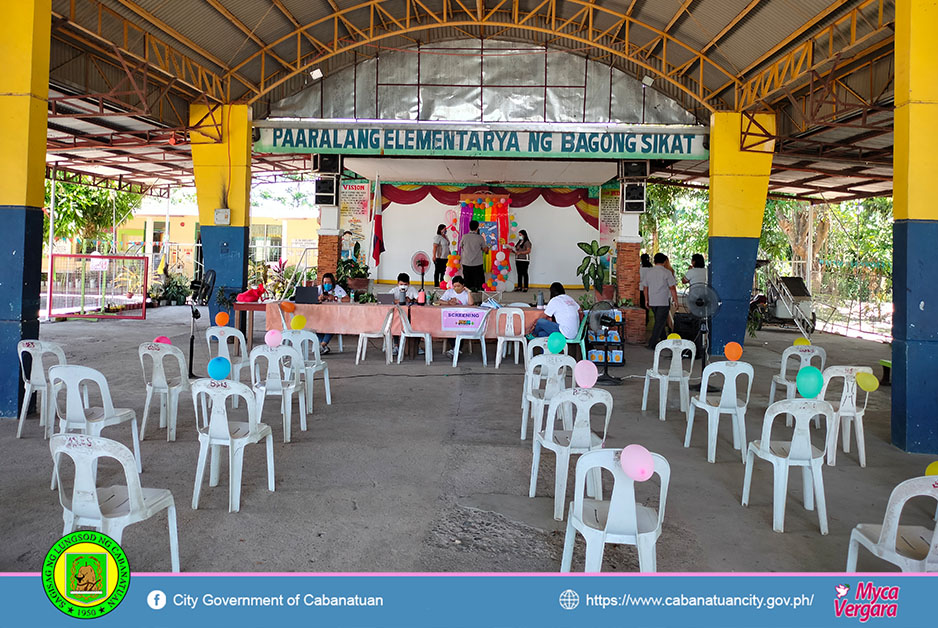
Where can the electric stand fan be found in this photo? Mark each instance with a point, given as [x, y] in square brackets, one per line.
[201, 292]
[420, 262]
[599, 318]
[703, 303]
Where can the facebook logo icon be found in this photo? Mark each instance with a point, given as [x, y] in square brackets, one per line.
[156, 599]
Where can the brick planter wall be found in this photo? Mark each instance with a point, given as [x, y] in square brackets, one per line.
[628, 263]
[330, 250]
[635, 326]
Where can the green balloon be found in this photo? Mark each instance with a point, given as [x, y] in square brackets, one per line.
[556, 342]
[809, 382]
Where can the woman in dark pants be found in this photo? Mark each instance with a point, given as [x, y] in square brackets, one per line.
[522, 260]
[646, 264]
[440, 255]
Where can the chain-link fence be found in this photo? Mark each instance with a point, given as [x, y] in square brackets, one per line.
[96, 286]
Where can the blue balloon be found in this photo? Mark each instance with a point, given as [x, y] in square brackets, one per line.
[219, 368]
[556, 342]
[809, 382]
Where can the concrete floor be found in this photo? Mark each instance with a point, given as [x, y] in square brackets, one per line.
[416, 468]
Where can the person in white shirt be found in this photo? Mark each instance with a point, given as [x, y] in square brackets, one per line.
[329, 291]
[660, 295]
[564, 311]
[696, 273]
[404, 289]
[457, 295]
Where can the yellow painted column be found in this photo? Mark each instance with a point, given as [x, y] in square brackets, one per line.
[915, 231]
[739, 183]
[222, 168]
[24, 92]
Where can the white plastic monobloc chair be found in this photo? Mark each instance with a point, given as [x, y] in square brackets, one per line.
[157, 382]
[79, 416]
[307, 343]
[217, 431]
[108, 510]
[576, 437]
[729, 402]
[221, 336]
[846, 411]
[805, 354]
[799, 452]
[478, 334]
[532, 346]
[384, 333]
[509, 334]
[911, 548]
[276, 371]
[546, 375]
[408, 332]
[621, 520]
[675, 373]
[37, 381]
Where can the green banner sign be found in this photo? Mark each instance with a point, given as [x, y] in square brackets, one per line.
[483, 140]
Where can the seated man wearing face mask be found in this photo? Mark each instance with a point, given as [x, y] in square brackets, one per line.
[403, 292]
[329, 291]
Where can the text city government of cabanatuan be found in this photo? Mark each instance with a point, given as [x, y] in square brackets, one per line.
[547, 143]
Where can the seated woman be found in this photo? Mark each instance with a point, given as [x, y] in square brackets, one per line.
[457, 295]
[329, 291]
[564, 314]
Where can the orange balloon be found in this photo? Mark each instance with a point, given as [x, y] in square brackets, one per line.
[733, 351]
[221, 319]
[288, 306]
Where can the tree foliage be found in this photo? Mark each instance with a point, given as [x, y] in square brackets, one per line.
[88, 212]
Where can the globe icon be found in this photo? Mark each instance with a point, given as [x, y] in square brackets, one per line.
[569, 600]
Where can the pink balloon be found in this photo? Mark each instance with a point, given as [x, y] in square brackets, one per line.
[637, 462]
[273, 338]
[163, 340]
[585, 374]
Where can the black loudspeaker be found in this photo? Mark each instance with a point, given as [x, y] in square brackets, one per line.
[633, 169]
[687, 326]
[633, 197]
[327, 191]
[327, 164]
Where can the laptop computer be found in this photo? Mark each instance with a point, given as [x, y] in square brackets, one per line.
[307, 295]
[385, 298]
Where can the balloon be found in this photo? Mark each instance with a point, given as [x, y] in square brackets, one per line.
[218, 368]
[932, 469]
[508, 286]
[801, 341]
[298, 322]
[809, 382]
[556, 342]
[733, 351]
[163, 340]
[585, 374]
[514, 224]
[674, 336]
[502, 200]
[867, 382]
[637, 462]
[288, 306]
[500, 255]
[273, 338]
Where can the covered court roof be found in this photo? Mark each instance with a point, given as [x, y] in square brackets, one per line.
[123, 72]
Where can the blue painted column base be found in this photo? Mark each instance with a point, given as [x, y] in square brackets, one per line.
[732, 265]
[225, 250]
[915, 337]
[20, 276]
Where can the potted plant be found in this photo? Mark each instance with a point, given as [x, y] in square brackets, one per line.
[592, 272]
[351, 272]
[129, 279]
[156, 294]
[176, 289]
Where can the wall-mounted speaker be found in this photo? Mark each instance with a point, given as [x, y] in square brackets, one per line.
[633, 169]
[327, 164]
[633, 197]
[327, 191]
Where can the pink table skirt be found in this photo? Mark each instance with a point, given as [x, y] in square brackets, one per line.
[353, 319]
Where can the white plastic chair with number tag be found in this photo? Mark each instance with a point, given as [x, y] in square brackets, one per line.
[574, 437]
[108, 510]
[221, 336]
[158, 382]
[729, 402]
[38, 382]
[307, 343]
[675, 373]
[510, 334]
[805, 354]
[277, 371]
[217, 431]
[545, 376]
[846, 411]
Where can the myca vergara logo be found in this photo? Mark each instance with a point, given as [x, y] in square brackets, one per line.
[870, 601]
[86, 574]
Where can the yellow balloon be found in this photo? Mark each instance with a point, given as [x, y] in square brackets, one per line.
[801, 341]
[867, 382]
[674, 336]
[932, 469]
[298, 322]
